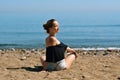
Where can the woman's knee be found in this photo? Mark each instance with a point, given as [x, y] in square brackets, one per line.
[72, 56]
[69, 60]
[42, 59]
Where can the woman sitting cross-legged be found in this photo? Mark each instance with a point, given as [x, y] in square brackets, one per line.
[55, 58]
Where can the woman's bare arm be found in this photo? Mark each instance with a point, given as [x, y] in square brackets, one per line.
[72, 51]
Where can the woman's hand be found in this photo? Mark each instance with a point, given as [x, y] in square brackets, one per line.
[72, 52]
[43, 70]
[45, 64]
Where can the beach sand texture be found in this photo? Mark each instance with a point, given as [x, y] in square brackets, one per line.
[24, 64]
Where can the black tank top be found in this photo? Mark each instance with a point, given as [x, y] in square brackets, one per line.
[55, 53]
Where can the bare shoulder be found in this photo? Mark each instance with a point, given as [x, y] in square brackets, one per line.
[51, 41]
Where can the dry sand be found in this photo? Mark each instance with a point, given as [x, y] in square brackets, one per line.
[21, 64]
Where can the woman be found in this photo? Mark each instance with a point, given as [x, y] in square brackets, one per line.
[55, 58]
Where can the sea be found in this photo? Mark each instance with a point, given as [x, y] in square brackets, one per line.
[27, 32]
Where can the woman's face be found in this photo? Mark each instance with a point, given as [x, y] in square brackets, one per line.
[55, 27]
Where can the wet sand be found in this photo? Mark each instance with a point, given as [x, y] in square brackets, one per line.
[24, 64]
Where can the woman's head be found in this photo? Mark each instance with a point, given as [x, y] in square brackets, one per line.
[51, 25]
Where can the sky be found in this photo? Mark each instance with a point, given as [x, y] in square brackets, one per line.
[71, 11]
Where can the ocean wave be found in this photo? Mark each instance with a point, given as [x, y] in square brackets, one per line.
[7, 46]
[108, 48]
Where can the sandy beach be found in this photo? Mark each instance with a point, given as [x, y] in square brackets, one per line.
[24, 64]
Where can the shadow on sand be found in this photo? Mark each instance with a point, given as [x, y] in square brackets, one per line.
[35, 69]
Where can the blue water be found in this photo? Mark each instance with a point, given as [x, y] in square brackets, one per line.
[28, 33]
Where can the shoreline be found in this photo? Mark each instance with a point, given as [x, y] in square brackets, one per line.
[100, 48]
[83, 48]
[81, 51]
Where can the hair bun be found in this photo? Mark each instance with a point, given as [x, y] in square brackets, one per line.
[45, 26]
[48, 24]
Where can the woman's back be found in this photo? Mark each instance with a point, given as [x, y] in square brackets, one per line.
[55, 53]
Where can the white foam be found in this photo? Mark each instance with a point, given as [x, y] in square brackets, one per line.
[109, 48]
